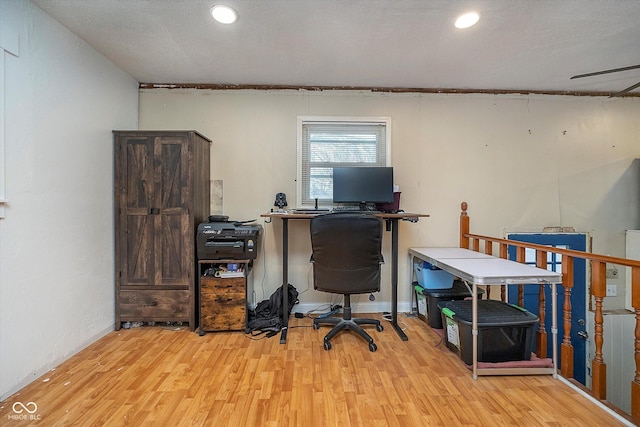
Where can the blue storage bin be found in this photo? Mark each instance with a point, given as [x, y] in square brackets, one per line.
[430, 277]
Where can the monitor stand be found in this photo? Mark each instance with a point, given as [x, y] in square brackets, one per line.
[367, 207]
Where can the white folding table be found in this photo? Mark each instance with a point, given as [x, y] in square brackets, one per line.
[482, 269]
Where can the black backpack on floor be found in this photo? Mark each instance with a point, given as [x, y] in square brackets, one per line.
[267, 316]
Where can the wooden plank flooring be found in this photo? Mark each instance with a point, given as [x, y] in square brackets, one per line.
[157, 376]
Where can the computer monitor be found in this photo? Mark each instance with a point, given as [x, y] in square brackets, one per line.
[363, 185]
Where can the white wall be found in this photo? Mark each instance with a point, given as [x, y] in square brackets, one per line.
[62, 100]
[518, 160]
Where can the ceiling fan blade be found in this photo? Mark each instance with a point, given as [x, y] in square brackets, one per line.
[623, 91]
[597, 73]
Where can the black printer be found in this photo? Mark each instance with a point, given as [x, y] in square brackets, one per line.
[227, 240]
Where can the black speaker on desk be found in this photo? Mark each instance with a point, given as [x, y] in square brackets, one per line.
[281, 200]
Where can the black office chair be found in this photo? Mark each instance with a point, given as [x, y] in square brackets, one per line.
[347, 253]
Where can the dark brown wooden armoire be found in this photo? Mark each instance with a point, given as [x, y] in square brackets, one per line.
[161, 194]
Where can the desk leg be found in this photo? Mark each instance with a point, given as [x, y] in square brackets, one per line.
[394, 279]
[285, 280]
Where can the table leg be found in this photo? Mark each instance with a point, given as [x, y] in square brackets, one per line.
[474, 328]
[394, 279]
[285, 280]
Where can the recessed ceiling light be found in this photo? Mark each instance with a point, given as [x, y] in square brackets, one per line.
[224, 14]
[467, 20]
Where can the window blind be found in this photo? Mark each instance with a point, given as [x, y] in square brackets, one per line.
[326, 145]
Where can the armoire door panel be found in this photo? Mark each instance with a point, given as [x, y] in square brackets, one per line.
[139, 174]
[137, 229]
[171, 246]
[138, 251]
[174, 179]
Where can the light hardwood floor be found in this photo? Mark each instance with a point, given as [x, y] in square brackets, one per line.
[156, 376]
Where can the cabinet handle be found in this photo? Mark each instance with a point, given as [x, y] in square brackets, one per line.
[154, 211]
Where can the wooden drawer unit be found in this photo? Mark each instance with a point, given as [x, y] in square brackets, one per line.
[223, 304]
[154, 305]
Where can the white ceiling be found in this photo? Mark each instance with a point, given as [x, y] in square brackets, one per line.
[532, 45]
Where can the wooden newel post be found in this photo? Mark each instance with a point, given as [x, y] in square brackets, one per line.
[464, 226]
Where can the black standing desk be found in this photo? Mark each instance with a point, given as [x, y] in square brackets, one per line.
[392, 222]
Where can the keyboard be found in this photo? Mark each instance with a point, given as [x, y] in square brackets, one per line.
[310, 211]
[346, 209]
[354, 209]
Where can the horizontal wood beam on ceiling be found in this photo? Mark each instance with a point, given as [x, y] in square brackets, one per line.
[208, 86]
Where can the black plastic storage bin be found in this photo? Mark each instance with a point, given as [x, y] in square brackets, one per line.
[505, 331]
[459, 291]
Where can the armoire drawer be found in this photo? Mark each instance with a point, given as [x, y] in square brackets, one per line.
[154, 304]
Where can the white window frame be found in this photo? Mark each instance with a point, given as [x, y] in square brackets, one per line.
[302, 120]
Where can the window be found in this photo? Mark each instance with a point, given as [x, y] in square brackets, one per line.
[328, 142]
[554, 260]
